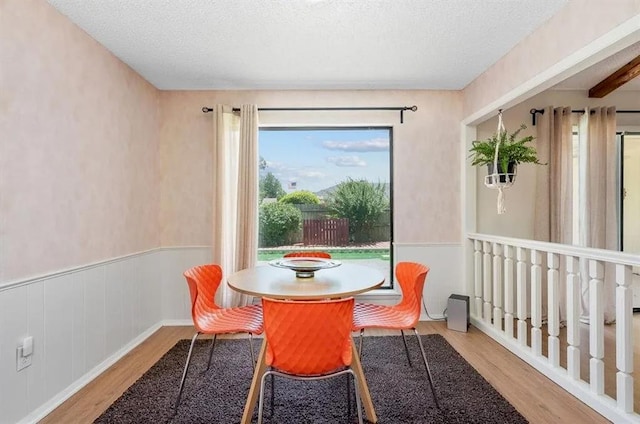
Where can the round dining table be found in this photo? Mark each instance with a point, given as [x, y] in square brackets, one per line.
[280, 283]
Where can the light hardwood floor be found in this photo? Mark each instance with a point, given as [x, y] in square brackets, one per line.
[532, 394]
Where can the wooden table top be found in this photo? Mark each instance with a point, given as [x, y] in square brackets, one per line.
[280, 283]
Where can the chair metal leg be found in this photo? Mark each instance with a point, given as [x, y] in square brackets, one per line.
[253, 356]
[186, 368]
[406, 349]
[426, 365]
[261, 398]
[348, 394]
[213, 344]
[360, 344]
[274, 372]
[273, 393]
[358, 401]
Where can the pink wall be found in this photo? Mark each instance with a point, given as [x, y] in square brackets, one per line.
[426, 155]
[78, 149]
[92, 168]
[573, 27]
[85, 140]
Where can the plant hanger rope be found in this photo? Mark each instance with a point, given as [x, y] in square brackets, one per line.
[500, 130]
[495, 179]
[501, 153]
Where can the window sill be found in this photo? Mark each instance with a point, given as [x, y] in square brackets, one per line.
[380, 295]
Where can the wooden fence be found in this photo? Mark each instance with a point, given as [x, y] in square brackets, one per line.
[381, 231]
[325, 232]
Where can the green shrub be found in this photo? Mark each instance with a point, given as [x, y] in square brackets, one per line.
[300, 197]
[278, 223]
[362, 202]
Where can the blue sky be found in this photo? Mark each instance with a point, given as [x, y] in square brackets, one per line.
[318, 159]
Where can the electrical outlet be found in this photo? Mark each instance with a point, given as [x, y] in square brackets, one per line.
[22, 362]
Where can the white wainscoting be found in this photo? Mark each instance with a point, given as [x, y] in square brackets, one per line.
[176, 304]
[446, 264]
[84, 319]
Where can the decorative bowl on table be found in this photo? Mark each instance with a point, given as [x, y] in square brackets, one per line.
[305, 267]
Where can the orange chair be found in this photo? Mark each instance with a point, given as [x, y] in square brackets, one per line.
[307, 254]
[403, 316]
[308, 341]
[209, 318]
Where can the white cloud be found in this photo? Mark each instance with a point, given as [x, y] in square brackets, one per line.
[311, 174]
[373, 145]
[346, 161]
[307, 179]
[271, 166]
[291, 173]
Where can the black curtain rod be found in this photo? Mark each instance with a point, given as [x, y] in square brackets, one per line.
[535, 111]
[280, 109]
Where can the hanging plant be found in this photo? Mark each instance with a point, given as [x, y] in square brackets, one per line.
[513, 150]
[502, 153]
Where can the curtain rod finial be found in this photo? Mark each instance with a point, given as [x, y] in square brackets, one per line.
[533, 113]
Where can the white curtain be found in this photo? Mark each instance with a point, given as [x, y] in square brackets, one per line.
[598, 204]
[235, 195]
[554, 187]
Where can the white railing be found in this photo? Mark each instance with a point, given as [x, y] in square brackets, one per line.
[517, 299]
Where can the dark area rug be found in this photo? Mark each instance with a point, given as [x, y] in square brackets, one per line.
[400, 393]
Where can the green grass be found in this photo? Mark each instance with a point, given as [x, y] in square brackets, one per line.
[268, 255]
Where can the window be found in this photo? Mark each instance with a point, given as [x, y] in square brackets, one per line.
[329, 189]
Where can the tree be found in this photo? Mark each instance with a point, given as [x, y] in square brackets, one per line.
[300, 197]
[362, 202]
[270, 187]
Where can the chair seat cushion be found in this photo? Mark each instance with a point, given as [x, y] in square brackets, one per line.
[244, 319]
[369, 315]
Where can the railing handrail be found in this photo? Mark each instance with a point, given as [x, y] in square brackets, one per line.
[563, 249]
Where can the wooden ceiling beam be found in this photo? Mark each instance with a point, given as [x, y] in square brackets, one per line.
[615, 80]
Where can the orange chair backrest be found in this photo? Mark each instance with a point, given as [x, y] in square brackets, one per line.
[308, 254]
[307, 338]
[203, 281]
[411, 276]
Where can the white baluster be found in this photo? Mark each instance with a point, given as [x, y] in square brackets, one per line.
[596, 326]
[521, 295]
[497, 286]
[624, 338]
[573, 317]
[553, 309]
[536, 302]
[477, 276]
[486, 274]
[508, 290]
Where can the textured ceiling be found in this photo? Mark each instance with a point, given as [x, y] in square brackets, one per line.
[309, 44]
